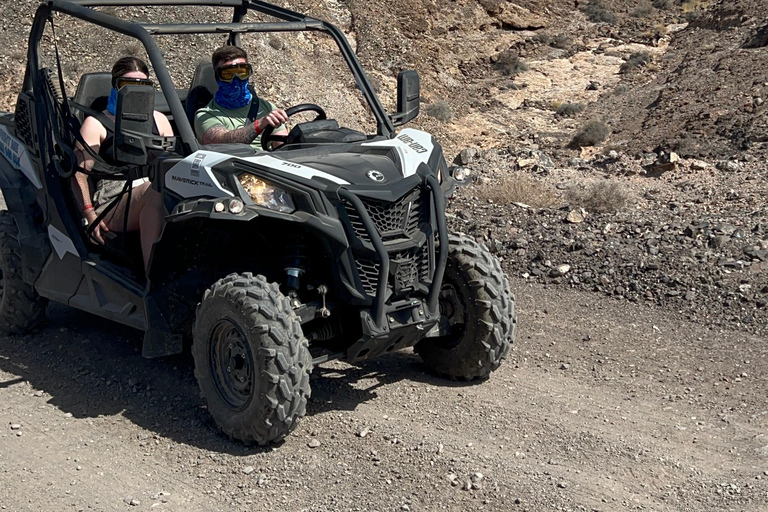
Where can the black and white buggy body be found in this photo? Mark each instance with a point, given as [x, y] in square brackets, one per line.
[334, 245]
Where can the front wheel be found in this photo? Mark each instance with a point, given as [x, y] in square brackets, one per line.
[252, 361]
[21, 308]
[477, 314]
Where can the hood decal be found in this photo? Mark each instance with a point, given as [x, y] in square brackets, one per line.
[192, 177]
[293, 168]
[413, 146]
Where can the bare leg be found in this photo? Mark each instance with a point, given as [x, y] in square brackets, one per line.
[144, 215]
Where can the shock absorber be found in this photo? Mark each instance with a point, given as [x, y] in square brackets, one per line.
[295, 264]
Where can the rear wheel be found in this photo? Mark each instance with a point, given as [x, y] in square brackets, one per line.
[21, 308]
[252, 361]
[477, 314]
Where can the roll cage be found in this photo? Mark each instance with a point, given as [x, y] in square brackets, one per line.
[289, 22]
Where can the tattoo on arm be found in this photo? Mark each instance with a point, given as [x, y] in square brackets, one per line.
[220, 135]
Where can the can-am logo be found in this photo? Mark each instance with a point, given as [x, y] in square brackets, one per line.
[375, 176]
[408, 141]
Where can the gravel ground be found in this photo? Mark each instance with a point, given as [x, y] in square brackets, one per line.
[651, 412]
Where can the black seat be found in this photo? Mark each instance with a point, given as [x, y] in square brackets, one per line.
[201, 90]
[93, 92]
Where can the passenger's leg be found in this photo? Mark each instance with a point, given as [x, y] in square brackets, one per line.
[144, 215]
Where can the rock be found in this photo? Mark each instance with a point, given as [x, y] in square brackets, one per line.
[576, 216]
[593, 86]
[525, 163]
[564, 366]
[559, 270]
[476, 477]
[364, 432]
[513, 16]
[728, 165]
[453, 479]
[134, 502]
[562, 485]
[313, 443]
[247, 470]
[467, 155]
[15, 426]
[698, 165]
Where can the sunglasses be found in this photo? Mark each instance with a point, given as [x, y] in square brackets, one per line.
[119, 83]
[228, 73]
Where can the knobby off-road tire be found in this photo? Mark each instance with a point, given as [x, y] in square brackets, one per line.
[484, 319]
[21, 308]
[252, 361]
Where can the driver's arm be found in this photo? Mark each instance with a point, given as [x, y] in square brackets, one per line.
[213, 132]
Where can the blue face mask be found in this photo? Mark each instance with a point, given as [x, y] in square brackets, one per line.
[233, 95]
[112, 103]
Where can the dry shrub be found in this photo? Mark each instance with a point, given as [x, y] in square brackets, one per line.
[519, 188]
[133, 49]
[643, 11]
[561, 42]
[597, 12]
[691, 6]
[663, 4]
[620, 89]
[276, 42]
[440, 110]
[509, 63]
[636, 60]
[599, 197]
[591, 133]
[570, 109]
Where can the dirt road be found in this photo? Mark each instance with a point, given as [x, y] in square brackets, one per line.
[602, 406]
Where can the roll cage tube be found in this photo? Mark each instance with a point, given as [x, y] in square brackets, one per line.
[291, 22]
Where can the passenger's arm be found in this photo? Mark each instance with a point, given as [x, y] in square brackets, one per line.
[93, 134]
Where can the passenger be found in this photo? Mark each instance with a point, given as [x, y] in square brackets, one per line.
[145, 211]
[225, 118]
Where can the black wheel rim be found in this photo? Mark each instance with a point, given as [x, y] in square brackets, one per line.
[452, 306]
[232, 364]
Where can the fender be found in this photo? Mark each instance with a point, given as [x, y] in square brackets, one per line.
[20, 199]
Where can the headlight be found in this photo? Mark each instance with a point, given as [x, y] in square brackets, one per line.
[266, 194]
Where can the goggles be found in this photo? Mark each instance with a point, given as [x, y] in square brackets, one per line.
[228, 73]
[119, 83]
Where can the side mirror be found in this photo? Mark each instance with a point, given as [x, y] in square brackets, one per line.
[408, 90]
[134, 123]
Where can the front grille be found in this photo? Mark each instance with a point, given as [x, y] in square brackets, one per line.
[369, 275]
[397, 220]
[408, 269]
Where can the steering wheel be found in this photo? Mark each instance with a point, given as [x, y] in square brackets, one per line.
[266, 136]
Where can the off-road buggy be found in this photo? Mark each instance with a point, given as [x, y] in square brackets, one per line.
[335, 245]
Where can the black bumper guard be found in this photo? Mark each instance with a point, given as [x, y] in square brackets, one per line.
[438, 202]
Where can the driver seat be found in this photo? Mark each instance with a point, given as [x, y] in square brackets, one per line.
[201, 90]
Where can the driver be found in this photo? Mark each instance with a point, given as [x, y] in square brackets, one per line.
[228, 117]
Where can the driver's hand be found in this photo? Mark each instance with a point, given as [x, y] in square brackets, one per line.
[98, 233]
[274, 118]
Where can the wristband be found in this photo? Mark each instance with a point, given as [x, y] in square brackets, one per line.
[87, 207]
[256, 127]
